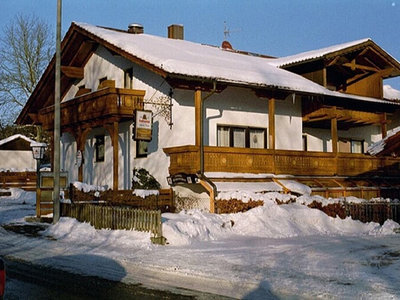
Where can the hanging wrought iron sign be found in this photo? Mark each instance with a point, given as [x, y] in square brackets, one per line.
[143, 125]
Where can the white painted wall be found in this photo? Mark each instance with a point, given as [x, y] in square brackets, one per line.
[17, 160]
[320, 139]
[234, 106]
[288, 124]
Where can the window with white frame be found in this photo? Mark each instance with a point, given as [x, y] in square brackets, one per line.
[99, 148]
[241, 137]
[128, 76]
[347, 145]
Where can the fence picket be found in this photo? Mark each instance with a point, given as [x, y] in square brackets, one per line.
[115, 218]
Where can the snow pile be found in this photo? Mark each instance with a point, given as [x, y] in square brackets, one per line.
[71, 231]
[86, 188]
[268, 221]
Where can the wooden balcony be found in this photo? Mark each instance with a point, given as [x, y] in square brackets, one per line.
[186, 159]
[105, 104]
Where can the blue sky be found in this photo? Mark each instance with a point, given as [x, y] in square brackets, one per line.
[273, 27]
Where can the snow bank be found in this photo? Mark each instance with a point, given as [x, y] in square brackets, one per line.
[268, 221]
[71, 231]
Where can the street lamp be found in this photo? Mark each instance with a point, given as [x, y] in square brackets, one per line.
[38, 150]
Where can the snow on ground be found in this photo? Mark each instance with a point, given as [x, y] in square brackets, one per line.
[270, 252]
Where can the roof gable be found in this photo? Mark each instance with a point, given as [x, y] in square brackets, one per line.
[16, 142]
[334, 51]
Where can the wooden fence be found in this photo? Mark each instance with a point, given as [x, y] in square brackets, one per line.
[22, 180]
[373, 212]
[164, 201]
[112, 217]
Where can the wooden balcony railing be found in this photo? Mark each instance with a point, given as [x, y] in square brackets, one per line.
[105, 103]
[186, 159]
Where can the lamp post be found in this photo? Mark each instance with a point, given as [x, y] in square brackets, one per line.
[57, 131]
[38, 150]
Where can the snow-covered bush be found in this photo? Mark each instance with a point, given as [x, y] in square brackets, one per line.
[143, 180]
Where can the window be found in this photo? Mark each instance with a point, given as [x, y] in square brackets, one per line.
[305, 146]
[357, 146]
[142, 148]
[351, 146]
[241, 137]
[99, 148]
[101, 82]
[128, 76]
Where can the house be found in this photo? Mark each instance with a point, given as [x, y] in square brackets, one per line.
[16, 153]
[222, 119]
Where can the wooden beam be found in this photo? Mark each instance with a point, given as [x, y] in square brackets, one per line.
[35, 118]
[334, 133]
[384, 125]
[72, 72]
[210, 190]
[197, 112]
[80, 135]
[353, 65]
[333, 61]
[271, 121]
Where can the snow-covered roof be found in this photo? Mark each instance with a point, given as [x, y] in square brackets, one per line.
[14, 137]
[379, 146]
[313, 54]
[185, 58]
[390, 93]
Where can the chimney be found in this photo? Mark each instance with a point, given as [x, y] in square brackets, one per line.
[135, 28]
[175, 31]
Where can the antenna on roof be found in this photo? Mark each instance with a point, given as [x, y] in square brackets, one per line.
[227, 31]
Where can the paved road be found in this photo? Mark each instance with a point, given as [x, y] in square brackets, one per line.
[27, 281]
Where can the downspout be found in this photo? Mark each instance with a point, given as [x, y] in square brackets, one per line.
[202, 176]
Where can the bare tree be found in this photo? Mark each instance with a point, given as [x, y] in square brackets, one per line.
[26, 47]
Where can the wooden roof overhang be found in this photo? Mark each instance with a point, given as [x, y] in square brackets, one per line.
[350, 65]
[76, 49]
[349, 112]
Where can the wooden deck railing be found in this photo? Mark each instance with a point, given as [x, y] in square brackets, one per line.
[104, 103]
[186, 159]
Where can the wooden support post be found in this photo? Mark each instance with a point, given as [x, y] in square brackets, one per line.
[80, 136]
[113, 130]
[271, 118]
[384, 125]
[198, 123]
[210, 190]
[334, 133]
